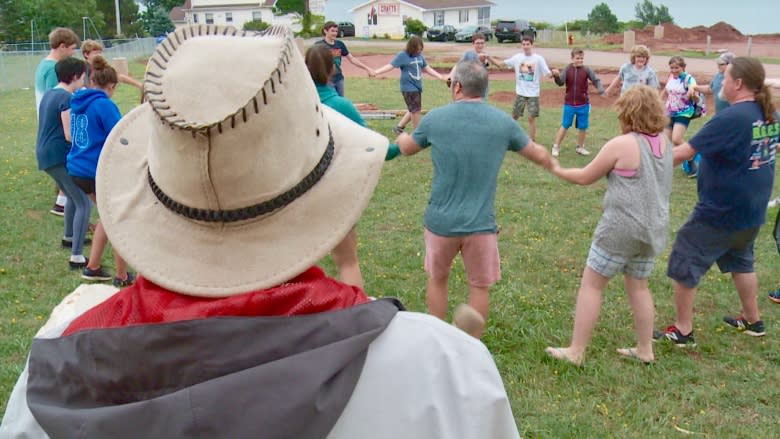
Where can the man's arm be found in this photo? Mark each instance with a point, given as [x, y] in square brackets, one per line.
[682, 153]
[407, 144]
[538, 154]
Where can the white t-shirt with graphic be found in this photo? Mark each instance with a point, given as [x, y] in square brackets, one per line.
[529, 70]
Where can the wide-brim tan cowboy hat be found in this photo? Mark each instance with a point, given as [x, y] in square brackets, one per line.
[233, 177]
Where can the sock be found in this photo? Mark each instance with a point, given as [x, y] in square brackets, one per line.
[555, 145]
[61, 200]
[67, 238]
[77, 258]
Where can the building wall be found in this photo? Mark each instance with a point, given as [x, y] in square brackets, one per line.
[383, 17]
[220, 15]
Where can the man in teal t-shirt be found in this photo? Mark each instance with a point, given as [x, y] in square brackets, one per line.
[468, 140]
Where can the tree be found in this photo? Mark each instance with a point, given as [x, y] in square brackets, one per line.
[285, 6]
[648, 13]
[602, 20]
[128, 14]
[414, 27]
[157, 22]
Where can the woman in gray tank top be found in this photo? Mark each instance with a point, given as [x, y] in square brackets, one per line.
[634, 226]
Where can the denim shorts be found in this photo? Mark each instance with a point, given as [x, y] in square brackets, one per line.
[698, 246]
[638, 267]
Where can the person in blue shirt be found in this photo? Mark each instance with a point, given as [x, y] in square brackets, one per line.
[736, 175]
[330, 30]
[93, 115]
[51, 149]
[412, 64]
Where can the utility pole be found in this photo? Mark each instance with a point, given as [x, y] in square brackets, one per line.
[118, 20]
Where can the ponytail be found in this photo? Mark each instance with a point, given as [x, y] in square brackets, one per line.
[764, 99]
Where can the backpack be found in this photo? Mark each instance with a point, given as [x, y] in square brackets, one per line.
[700, 106]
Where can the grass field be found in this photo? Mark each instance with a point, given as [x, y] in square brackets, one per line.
[724, 388]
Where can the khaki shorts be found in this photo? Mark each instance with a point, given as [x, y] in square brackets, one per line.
[479, 252]
[532, 102]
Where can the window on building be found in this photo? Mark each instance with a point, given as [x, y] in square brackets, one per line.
[483, 16]
[257, 16]
[209, 18]
[464, 16]
[438, 18]
[228, 17]
[194, 18]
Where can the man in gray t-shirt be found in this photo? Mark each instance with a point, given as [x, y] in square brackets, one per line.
[468, 140]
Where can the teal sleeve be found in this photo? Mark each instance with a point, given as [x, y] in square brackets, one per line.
[392, 152]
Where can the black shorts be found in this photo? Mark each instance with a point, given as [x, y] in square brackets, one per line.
[86, 184]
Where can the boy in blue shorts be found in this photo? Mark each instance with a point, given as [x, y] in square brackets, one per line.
[576, 102]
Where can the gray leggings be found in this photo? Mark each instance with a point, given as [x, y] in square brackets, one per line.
[77, 209]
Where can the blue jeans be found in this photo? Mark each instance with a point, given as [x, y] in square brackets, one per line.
[77, 209]
[338, 86]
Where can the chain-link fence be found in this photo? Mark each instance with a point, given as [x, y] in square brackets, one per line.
[17, 65]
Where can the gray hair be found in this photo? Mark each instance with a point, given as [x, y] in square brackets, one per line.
[473, 78]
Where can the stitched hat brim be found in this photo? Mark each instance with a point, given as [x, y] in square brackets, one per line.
[218, 260]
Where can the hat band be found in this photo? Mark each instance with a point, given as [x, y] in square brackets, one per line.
[249, 212]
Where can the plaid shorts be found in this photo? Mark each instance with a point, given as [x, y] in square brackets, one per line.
[638, 267]
[521, 102]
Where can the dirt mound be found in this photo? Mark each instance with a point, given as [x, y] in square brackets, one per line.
[718, 32]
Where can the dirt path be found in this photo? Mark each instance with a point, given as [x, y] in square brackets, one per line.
[606, 64]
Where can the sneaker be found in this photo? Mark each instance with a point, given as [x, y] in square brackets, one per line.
[556, 151]
[675, 336]
[69, 243]
[78, 265]
[756, 329]
[773, 203]
[97, 274]
[121, 283]
[398, 130]
[582, 151]
[58, 210]
[774, 296]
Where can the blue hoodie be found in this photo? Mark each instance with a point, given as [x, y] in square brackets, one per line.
[92, 116]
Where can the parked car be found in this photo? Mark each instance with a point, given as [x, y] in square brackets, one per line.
[468, 32]
[444, 32]
[346, 29]
[514, 30]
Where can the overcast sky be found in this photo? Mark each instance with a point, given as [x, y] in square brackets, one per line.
[748, 16]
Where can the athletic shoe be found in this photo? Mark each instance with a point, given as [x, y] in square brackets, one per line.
[774, 296]
[78, 265]
[69, 244]
[582, 151]
[773, 203]
[556, 151]
[97, 274]
[756, 329]
[675, 336]
[58, 210]
[121, 283]
[398, 130]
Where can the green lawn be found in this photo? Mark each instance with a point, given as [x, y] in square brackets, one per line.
[724, 388]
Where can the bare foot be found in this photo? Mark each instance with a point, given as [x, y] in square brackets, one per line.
[633, 354]
[563, 354]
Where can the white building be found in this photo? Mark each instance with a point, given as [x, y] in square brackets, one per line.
[380, 17]
[223, 12]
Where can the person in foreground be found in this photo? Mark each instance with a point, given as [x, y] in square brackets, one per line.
[223, 189]
[460, 217]
[634, 226]
[736, 174]
[319, 61]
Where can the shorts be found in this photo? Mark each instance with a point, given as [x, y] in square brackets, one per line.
[479, 252]
[520, 103]
[582, 112]
[678, 120]
[413, 101]
[86, 184]
[609, 266]
[698, 245]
